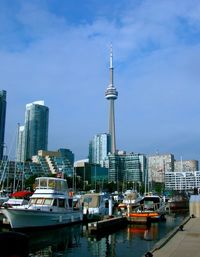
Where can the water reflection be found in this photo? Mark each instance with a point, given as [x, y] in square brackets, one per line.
[54, 242]
[143, 232]
[75, 241]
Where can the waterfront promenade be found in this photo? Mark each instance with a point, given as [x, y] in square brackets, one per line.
[180, 242]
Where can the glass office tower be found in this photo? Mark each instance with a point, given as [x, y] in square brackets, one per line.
[99, 148]
[35, 129]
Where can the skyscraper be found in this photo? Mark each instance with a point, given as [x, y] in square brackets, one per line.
[111, 94]
[35, 129]
[2, 120]
[99, 148]
[20, 144]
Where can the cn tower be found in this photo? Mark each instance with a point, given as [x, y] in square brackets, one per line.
[111, 94]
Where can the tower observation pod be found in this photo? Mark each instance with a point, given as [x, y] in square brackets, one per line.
[111, 94]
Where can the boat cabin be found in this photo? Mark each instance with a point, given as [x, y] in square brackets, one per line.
[50, 192]
[150, 202]
[55, 184]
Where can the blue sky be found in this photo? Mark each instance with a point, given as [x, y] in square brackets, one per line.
[58, 51]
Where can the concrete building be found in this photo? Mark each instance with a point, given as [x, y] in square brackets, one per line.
[159, 164]
[182, 181]
[186, 165]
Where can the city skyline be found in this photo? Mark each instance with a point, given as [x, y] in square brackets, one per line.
[58, 52]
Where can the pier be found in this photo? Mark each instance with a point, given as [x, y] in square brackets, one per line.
[183, 241]
[105, 224]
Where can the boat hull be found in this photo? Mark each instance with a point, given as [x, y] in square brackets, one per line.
[143, 218]
[25, 218]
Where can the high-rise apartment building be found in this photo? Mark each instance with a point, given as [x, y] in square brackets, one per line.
[2, 121]
[99, 148]
[35, 133]
[158, 164]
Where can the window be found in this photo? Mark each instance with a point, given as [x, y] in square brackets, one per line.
[39, 201]
[48, 202]
[61, 202]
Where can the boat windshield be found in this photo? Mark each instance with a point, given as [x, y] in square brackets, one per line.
[51, 183]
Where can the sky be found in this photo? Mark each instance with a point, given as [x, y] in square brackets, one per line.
[58, 51]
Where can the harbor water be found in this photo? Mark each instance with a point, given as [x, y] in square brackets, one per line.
[76, 241]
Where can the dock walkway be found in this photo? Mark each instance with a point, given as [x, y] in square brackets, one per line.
[180, 242]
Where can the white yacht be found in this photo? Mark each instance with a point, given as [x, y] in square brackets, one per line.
[48, 206]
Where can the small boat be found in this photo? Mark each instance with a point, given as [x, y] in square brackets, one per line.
[178, 201]
[47, 207]
[95, 206]
[151, 209]
[18, 198]
[131, 199]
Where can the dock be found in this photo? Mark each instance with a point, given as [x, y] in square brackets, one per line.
[107, 223]
[183, 241]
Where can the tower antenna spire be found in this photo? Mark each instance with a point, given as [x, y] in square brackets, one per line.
[111, 66]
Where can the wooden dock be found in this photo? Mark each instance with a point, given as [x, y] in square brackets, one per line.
[107, 223]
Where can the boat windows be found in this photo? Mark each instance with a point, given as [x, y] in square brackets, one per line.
[33, 201]
[48, 201]
[39, 201]
[51, 184]
[43, 183]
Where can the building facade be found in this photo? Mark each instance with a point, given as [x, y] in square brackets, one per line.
[56, 162]
[3, 104]
[35, 133]
[182, 181]
[127, 168]
[99, 148]
[186, 165]
[157, 166]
